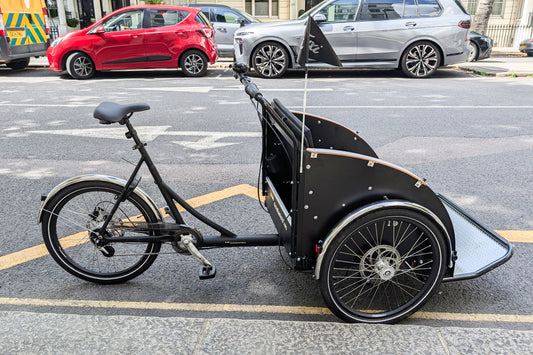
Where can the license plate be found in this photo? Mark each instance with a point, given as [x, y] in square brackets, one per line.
[16, 34]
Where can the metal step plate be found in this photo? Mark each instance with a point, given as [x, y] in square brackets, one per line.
[479, 249]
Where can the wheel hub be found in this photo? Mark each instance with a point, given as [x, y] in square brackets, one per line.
[381, 261]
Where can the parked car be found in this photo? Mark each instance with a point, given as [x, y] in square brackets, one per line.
[480, 47]
[226, 21]
[138, 37]
[527, 47]
[416, 37]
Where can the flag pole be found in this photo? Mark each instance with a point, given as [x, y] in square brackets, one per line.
[306, 36]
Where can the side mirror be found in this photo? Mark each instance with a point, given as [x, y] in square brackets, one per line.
[99, 30]
[319, 18]
[241, 22]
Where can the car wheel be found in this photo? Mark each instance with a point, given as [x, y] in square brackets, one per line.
[193, 63]
[18, 64]
[530, 54]
[80, 66]
[472, 56]
[420, 60]
[270, 60]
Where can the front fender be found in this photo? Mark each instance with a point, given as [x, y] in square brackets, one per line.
[380, 206]
[96, 177]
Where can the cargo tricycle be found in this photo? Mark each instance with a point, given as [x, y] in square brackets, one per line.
[375, 236]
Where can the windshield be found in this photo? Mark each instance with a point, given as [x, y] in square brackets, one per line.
[305, 14]
[249, 17]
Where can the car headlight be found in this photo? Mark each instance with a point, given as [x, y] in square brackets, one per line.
[57, 41]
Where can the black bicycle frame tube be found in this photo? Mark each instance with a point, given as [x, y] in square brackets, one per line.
[123, 194]
[174, 213]
[168, 194]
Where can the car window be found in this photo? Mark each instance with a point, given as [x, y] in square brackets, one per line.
[224, 15]
[410, 9]
[428, 8]
[382, 10]
[340, 11]
[201, 18]
[207, 13]
[163, 17]
[124, 21]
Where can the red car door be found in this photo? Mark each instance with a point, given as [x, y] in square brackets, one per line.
[165, 39]
[122, 44]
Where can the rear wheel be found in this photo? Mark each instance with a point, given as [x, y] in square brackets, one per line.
[18, 64]
[420, 60]
[80, 66]
[71, 232]
[270, 60]
[194, 63]
[383, 267]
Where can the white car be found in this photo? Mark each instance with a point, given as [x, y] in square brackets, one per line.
[414, 36]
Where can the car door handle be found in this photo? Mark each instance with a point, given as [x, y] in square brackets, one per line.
[349, 28]
[221, 29]
[410, 24]
[135, 36]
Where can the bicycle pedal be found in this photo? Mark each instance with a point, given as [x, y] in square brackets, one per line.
[207, 272]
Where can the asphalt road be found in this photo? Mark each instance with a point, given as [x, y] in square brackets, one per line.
[470, 136]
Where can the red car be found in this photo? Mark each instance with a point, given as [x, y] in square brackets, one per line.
[138, 37]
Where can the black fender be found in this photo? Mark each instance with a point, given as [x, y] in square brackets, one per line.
[95, 177]
[339, 184]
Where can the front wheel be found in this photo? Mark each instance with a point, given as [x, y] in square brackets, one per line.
[71, 227]
[80, 66]
[270, 60]
[18, 64]
[194, 63]
[420, 60]
[383, 267]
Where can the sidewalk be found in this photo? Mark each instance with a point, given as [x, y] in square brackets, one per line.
[45, 333]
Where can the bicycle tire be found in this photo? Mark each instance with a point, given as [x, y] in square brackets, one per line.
[71, 219]
[383, 267]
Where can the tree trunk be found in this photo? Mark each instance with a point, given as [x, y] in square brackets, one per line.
[481, 18]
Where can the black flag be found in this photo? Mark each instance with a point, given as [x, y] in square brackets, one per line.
[316, 46]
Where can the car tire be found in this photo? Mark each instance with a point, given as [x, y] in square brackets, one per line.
[18, 64]
[270, 60]
[420, 60]
[194, 63]
[80, 66]
[530, 54]
[474, 52]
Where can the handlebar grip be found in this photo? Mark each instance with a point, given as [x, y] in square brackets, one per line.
[252, 90]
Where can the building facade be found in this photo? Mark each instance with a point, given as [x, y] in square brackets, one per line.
[510, 23]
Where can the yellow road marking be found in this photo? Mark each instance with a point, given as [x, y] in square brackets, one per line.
[242, 308]
[515, 236]
[20, 257]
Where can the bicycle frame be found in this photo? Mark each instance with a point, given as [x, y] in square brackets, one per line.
[226, 239]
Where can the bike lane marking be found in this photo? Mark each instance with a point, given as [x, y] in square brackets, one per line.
[25, 255]
[249, 308]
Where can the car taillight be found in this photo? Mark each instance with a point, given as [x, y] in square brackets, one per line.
[208, 32]
[464, 24]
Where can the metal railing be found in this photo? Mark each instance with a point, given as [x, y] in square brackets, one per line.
[508, 35]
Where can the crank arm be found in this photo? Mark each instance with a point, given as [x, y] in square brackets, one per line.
[207, 270]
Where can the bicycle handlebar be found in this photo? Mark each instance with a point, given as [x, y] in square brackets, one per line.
[250, 88]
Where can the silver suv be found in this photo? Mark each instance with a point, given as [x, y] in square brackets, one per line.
[416, 36]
